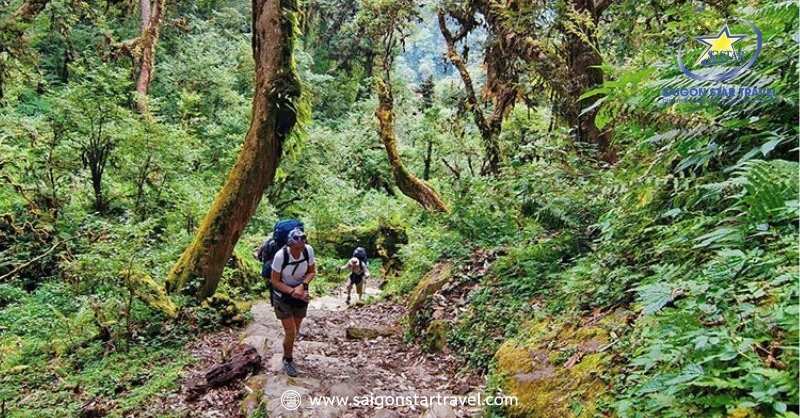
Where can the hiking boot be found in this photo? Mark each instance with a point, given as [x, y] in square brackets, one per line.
[288, 367]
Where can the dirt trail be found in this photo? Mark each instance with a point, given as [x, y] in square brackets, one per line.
[331, 363]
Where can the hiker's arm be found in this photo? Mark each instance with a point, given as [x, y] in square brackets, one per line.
[301, 291]
[310, 274]
[277, 283]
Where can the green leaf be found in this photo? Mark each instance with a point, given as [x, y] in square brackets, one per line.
[593, 92]
[769, 146]
[718, 236]
[603, 116]
[689, 373]
[654, 297]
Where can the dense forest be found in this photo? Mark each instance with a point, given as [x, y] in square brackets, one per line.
[589, 205]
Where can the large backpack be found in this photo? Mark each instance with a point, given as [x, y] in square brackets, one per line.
[280, 235]
[266, 252]
[361, 254]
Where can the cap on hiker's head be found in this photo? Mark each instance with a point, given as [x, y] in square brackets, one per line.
[296, 235]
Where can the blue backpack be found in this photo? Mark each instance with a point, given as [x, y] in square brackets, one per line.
[280, 235]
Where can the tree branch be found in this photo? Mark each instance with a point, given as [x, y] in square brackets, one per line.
[456, 171]
[461, 66]
[26, 264]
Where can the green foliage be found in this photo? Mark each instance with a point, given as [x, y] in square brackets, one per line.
[692, 234]
[427, 245]
[695, 229]
[54, 335]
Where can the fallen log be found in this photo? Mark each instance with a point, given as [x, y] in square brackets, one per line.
[241, 365]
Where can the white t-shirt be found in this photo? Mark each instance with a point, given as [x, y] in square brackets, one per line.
[356, 266]
[296, 278]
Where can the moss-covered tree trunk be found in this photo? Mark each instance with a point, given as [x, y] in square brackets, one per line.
[490, 127]
[408, 183]
[151, 26]
[583, 62]
[277, 90]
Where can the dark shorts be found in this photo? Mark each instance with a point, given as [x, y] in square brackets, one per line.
[356, 278]
[289, 308]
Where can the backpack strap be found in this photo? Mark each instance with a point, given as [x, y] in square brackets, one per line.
[295, 263]
[305, 258]
[285, 258]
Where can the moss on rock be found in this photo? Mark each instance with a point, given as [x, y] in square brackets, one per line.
[556, 369]
[430, 283]
[242, 270]
[436, 335]
[231, 311]
[380, 240]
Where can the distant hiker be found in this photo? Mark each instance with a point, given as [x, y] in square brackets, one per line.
[359, 272]
[289, 263]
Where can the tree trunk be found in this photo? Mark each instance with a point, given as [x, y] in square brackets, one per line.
[489, 130]
[242, 364]
[409, 184]
[277, 90]
[583, 61]
[144, 12]
[97, 187]
[426, 172]
[2, 77]
[151, 27]
[246, 361]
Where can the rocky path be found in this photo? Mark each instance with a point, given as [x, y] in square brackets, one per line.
[353, 351]
[356, 353]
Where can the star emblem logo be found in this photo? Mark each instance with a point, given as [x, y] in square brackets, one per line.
[719, 45]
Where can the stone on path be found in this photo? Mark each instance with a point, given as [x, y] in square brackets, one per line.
[369, 333]
[343, 351]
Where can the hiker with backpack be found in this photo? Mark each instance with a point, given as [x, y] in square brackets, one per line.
[290, 266]
[359, 272]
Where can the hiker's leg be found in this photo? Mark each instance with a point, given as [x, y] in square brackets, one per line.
[290, 328]
[297, 321]
[349, 290]
[360, 289]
